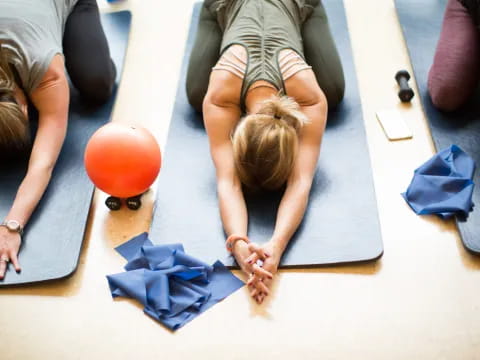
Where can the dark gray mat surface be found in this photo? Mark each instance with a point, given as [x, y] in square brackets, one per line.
[54, 235]
[421, 22]
[341, 223]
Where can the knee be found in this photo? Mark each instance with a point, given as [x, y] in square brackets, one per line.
[195, 95]
[445, 96]
[443, 99]
[335, 92]
[101, 89]
[97, 87]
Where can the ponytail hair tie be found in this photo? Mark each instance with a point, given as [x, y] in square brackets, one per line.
[277, 117]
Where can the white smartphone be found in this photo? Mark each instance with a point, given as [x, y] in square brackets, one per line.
[394, 125]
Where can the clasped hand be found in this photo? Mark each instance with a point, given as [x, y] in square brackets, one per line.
[260, 263]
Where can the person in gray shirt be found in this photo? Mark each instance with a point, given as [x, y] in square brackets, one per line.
[40, 40]
[264, 73]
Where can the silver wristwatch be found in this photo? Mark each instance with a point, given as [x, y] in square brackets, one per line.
[13, 226]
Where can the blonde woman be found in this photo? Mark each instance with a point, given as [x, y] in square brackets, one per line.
[40, 39]
[248, 56]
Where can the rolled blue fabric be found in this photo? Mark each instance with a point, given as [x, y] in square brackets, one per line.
[173, 287]
[443, 185]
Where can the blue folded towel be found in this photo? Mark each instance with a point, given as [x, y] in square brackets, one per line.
[173, 287]
[443, 185]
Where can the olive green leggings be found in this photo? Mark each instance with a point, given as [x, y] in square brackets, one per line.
[319, 48]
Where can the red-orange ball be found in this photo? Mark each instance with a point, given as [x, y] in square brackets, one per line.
[122, 160]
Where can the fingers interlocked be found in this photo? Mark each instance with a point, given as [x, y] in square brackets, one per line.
[258, 253]
[258, 288]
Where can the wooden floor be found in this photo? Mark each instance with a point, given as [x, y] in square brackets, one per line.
[420, 301]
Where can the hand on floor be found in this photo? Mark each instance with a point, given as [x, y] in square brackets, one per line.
[9, 246]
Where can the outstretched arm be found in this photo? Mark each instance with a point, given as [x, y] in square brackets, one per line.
[51, 99]
[295, 199]
[219, 122]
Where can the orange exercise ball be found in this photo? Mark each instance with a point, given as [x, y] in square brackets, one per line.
[122, 160]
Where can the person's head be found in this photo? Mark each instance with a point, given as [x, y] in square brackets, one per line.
[265, 143]
[14, 131]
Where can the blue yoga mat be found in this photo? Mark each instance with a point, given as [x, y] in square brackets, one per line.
[54, 235]
[341, 223]
[421, 22]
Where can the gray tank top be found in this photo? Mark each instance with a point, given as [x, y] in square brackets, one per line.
[31, 32]
[264, 28]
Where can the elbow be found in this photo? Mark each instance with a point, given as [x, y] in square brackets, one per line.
[301, 184]
[305, 186]
[42, 169]
[228, 183]
[226, 186]
[316, 98]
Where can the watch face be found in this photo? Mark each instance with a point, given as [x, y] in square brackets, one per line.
[13, 225]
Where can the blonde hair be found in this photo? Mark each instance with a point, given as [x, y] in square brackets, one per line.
[14, 132]
[265, 144]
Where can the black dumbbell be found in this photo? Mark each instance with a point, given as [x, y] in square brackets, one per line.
[134, 202]
[406, 93]
[113, 203]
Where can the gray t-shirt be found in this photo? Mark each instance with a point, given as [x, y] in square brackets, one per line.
[32, 31]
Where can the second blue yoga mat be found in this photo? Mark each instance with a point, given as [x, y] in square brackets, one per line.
[54, 235]
[421, 22]
[341, 223]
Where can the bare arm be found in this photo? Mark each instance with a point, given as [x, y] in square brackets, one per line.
[295, 199]
[51, 99]
[221, 117]
[304, 88]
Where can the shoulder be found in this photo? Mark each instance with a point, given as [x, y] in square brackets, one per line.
[303, 87]
[52, 93]
[55, 71]
[223, 89]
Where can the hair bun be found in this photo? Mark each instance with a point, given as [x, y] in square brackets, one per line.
[284, 109]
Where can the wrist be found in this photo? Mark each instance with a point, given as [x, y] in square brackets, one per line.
[238, 244]
[233, 240]
[12, 226]
[279, 241]
[278, 247]
[7, 234]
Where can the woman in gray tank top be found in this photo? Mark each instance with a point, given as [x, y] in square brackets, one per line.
[263, 72]
[40, 39]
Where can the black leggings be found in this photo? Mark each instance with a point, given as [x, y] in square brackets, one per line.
[87, 57]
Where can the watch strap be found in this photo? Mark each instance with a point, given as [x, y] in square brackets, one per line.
[19, 230]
